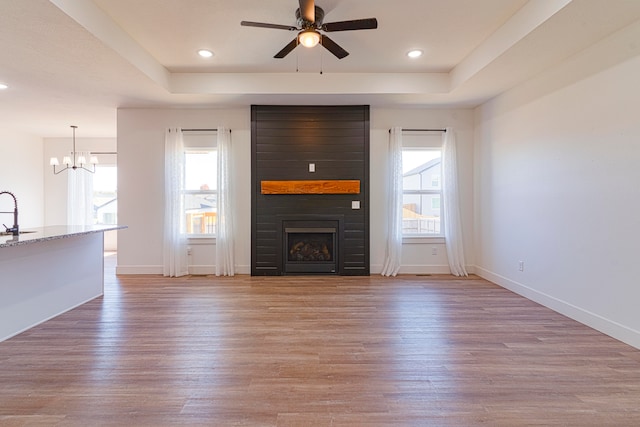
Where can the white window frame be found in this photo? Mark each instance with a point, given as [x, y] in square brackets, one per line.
[199, 142]
[107, 164]
[424, 141]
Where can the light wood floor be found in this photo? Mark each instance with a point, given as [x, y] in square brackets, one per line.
[307, 351]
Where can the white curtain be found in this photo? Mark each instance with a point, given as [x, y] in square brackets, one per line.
[394, 205]
[175, 242]
[79, 196]
[451, 196]
[225, 263]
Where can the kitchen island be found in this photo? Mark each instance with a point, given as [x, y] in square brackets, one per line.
[47, 271]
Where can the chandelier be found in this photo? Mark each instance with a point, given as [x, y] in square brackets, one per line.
[70, 161]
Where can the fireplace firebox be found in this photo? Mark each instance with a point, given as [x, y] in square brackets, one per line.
[310, 249]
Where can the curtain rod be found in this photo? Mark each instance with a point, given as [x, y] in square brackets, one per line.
[200, 130]
[422, 130]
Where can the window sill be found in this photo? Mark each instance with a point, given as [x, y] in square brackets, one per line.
[201, 238]
[415, 240]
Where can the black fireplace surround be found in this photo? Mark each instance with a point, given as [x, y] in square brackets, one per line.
[309, 233]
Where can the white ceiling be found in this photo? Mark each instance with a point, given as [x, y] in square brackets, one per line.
[76, 61]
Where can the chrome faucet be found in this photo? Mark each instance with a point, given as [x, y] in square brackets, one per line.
[15, 229]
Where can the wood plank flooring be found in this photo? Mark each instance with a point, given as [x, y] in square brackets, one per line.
[315, 351]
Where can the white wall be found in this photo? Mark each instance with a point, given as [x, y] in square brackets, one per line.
[557, 188]
[141, 165]
[22, 174]
[417, 255]
[141, 185]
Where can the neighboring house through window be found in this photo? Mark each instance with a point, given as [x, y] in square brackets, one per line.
[201, 189]
[422, 190]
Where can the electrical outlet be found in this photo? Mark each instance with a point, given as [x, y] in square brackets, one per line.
[189, 250]
[520, 265]
[355, 204]
[312, 167]
[434, 250]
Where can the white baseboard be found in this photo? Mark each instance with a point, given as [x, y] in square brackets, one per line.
[595, 321]
[421, 269]
[138, 269]
[202, 270]
[246, 269]
[243, 269]
[417, 269]
[157, 269]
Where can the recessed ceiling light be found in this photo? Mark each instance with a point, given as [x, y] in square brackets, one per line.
[205, 53]
[415, 53]
[3, 86]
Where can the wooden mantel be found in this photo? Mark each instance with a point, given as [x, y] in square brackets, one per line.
[333, 186]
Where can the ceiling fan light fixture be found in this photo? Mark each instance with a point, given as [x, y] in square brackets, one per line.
[309, 38]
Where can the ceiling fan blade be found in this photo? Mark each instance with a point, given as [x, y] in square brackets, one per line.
[265, 25]
[308, 10]
[356, 24]
[333, 47]
[287, 49]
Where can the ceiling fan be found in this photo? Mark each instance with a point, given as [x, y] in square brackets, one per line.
[309, 20]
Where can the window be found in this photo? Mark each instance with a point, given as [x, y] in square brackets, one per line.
[435, 203]
[105, 195]
[201, 189]
[422, 189]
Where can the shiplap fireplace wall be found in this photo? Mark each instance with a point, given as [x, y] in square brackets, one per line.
[310, 170]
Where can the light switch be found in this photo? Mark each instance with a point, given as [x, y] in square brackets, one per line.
[312, 167]
[355, 204]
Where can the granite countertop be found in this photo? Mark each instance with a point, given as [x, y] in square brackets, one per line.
[41, 234]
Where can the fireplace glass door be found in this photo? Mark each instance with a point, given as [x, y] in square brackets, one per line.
[310, 250]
